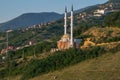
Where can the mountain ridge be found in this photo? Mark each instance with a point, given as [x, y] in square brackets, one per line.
[30, 19]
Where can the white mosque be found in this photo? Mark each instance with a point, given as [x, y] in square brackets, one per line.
[67, 40]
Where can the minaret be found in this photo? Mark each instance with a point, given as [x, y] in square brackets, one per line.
[71, 40]
[65, 21]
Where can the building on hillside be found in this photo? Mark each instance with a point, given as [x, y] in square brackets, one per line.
[67, 40]
[64, 43]
[99, 12]
[10, 48]
[3, 51]
[31, 42]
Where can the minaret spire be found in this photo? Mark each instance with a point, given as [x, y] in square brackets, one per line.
[72, 8]
[65, 21]
[71, 40]
[65, 9]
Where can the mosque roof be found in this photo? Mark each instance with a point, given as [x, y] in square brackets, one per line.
[66, 36]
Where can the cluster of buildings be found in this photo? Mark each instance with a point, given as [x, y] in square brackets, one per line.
[38, 26]
[12, 48]
[102, 10]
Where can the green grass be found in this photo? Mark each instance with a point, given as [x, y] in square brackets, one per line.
[106, 67]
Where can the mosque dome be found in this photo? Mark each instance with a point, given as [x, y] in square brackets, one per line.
[65, 36]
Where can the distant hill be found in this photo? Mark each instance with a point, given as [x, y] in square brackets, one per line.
[29, 19]
[114, 1]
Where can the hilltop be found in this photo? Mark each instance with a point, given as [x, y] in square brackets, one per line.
[30, 19]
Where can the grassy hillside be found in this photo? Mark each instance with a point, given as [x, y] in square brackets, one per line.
[22, 37]
[25, 66]
[100, 35]
[30, 68]
[106, 67]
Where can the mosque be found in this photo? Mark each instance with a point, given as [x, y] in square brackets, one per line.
[67, 40]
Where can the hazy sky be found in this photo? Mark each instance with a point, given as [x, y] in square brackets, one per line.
[10, 9]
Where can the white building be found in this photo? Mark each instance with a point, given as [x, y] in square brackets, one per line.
[99, 12]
